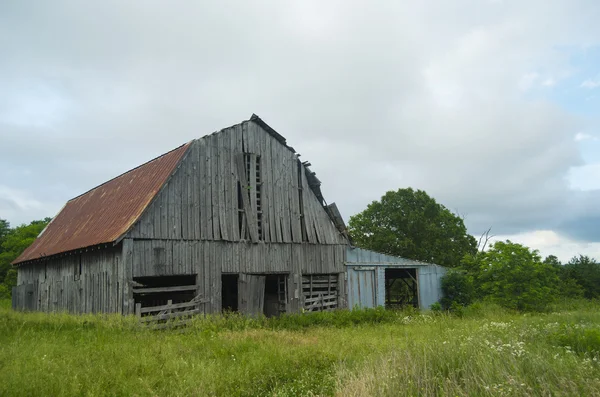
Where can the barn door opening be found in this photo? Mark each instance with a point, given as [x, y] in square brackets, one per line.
[229, 292]
[251, 296]
[275, 295]
[401, 288]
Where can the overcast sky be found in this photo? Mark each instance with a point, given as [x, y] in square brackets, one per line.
[490, 106]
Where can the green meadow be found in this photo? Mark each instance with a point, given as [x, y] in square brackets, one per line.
[487, 351]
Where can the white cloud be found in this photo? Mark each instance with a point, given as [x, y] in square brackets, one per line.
[549, 242]
[591, 83]
[584, 136]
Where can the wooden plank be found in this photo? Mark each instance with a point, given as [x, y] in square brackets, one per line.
[222, 184]
[164, 289]
[168, 316]
[252, 187]
[261, 143]
[268, 189]
[276, 194]
[173, 306]
[202, 188]
[250, 215]
[233, 204]
[213, 149]
[295, 202]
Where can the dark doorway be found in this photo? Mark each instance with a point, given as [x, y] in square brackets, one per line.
[275, 295]
[401, 288]
[229, 292]
[157, 291]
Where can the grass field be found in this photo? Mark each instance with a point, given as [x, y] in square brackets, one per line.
[366, 353]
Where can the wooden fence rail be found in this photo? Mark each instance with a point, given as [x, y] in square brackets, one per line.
[170, 315]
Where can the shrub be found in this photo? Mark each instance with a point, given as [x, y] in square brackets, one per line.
[458, 289]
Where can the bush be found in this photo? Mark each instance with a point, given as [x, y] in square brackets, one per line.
[458, 290]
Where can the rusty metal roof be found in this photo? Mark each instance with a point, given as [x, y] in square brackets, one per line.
[106, 212]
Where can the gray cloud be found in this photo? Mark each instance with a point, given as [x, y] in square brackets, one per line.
[439, 97]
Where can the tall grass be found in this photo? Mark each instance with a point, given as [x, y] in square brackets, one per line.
[375, 352]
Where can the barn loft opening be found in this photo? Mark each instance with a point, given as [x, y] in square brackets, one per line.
[401, 288]
[229, 292]
[157, 291]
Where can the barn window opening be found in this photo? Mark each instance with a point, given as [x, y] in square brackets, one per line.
[275, 295]
[78, 267]
[251, 189]
[259, 212]
[320, 292]
[301, 203]
[229, 292]
[159, 290]
[401, 288]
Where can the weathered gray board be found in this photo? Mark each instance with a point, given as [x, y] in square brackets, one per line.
[86, 282]
[366, 278]
[200, 201]
[251, 294]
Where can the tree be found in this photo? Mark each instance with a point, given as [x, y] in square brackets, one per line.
[411, 224]
[586, 272]
[458, 289]
[12, 243]
[514, 276]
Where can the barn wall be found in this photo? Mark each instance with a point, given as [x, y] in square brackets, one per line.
[210, 259]
[57, 285]
[430, 285]
[200, 201]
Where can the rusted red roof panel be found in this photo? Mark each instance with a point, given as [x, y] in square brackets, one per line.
[106, 212]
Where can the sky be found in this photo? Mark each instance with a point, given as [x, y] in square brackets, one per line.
[490, 106]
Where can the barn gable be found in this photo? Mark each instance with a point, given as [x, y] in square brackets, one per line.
[242, 183]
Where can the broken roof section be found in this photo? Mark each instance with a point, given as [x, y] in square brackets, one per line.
[106, 212]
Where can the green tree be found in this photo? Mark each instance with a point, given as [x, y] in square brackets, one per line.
[568, 286]
[411, 224]
[12, 243]
[586, 272]
[458, 289]
[514, 276]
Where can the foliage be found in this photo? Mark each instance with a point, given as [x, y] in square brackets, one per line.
[13, 242]
[487, 352]
[585, 271]
[514, 276]
[458, 289]
[411, 224]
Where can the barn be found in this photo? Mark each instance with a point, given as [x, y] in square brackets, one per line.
[230, 221]
[376, 279]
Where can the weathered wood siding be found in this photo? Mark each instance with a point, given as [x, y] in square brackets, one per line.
[200, 201]
[210, 259]
[57, 285]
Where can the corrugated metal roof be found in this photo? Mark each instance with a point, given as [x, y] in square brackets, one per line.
[106, 212]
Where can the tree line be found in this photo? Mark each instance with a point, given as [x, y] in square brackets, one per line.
[411, 224]
[13, 242]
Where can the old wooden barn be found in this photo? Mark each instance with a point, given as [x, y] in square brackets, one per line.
[230, 221]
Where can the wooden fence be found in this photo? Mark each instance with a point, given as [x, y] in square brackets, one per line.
[171, 315]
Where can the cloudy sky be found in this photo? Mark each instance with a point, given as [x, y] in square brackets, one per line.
[491, 106]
